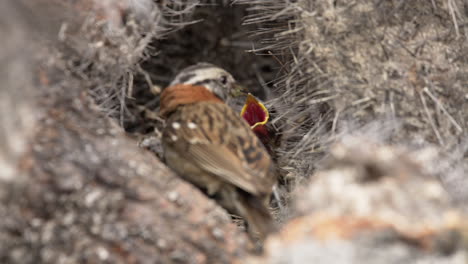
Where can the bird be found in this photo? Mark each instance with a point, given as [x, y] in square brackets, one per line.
[210, 145]
[257, 116]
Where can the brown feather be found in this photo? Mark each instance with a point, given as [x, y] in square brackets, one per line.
[257, 214]
[225, 147]
[182, 94]
[211, 146]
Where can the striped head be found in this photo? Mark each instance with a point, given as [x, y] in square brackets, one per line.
[216, 80]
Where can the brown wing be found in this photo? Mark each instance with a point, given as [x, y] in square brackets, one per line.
[220, 142]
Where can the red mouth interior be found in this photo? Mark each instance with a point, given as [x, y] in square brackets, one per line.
[254, 113]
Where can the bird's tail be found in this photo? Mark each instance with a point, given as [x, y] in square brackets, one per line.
[258, 217]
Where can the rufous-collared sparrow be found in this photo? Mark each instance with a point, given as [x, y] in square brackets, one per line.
[213, 147]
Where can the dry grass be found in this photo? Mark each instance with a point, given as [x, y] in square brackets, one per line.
[394, 72]
[326, 69]
[346, 64]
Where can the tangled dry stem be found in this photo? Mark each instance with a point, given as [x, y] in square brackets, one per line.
[389, 73]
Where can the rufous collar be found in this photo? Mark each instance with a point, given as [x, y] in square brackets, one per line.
[182, 94]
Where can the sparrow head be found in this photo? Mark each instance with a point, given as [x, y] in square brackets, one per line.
[216, 80]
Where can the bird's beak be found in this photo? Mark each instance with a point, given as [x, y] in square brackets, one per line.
[254, 112]
[238, 90]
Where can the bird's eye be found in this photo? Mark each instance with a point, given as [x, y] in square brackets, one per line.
[224, 80]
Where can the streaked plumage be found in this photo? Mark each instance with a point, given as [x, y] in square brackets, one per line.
[211, 146]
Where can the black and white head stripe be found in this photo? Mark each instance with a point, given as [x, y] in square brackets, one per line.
[188, 73]
[198, 73]
[214, 78]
